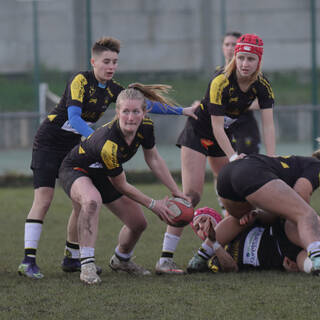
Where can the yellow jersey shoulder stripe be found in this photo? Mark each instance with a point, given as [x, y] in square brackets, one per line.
[216, 87]
[266, 84]
[77, 87]
[147, 121]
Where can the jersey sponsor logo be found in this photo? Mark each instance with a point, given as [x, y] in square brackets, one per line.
[251, 247]
[77, 87]
[109, 154]
[93, 100]
[51, 117]
[67, 127]
[216, 88]
[92, 91]
[235, 99]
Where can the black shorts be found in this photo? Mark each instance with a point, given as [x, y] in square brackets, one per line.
[245, 134]
[100, 180]
[45, 166]
[240, 178]
[209, 147]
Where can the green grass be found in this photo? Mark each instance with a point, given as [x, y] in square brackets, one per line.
[18, 93]
[251, 295]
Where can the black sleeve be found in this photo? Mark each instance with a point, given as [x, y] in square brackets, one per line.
[148, 139]
[265, 93]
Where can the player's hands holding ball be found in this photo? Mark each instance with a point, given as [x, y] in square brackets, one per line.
[160, 208]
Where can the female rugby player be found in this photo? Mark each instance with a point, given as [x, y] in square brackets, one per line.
[85, 99]
[230, 93]
[278, 185]
[245, 131]
[256, 244]
[92, 174]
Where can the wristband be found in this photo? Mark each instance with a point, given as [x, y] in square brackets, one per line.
[233, 157]
[216, 246]
[152, 204]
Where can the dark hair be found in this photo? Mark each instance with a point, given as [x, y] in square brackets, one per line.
[106, 44]
[316, 154]
[235, 34]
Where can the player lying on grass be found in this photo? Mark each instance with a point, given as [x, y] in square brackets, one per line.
[281, 186]
[256, 242]
[92, 175]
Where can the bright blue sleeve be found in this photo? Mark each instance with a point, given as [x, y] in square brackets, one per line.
[162, 108]
[74, 116]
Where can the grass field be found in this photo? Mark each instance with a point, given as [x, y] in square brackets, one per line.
[251, 295]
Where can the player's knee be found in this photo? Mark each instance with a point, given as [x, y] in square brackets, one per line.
[43, 204]
[91, 206]
[195, 197]
[140, 227]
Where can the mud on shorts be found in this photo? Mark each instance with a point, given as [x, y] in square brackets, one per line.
[100, 180]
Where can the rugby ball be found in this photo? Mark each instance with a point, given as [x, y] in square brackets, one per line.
[182, 211]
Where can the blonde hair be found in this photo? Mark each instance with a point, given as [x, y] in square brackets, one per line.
[131, 94]
[231, 66]
[154, 92]
[139, 91]
[105, 44]
[316, 154]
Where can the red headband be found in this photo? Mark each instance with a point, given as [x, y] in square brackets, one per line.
[213, 214]
[250, 43]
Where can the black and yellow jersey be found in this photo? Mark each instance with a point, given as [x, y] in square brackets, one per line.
[107, 149]
[225, 98]
[82, 90]
[263, 247]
